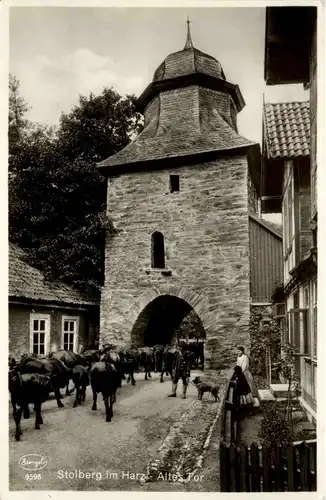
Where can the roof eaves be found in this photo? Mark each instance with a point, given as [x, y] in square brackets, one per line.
[105, 163]
[266, 138]
[17, 254]
[266, 226]
[61, 303]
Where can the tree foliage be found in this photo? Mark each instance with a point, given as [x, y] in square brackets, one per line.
[191, 326]
[57, 195]
[277, 426]
[98, 126]
[17, 122]
[286, 364]
[275, 429]
[263, 335]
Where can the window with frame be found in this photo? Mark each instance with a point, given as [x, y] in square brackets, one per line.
[39, 333]
[306, 329]
[69, 333]
[313, 190]
[288, 221]
[297, 320]
[313, 171]
[314, 317]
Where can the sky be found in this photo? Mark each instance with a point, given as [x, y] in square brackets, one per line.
[58, 53]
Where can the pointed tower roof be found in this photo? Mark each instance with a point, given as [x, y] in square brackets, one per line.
[188, 61]
[189, 44]
[189, 109]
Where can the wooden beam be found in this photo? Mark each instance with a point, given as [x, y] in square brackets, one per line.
[264, 198]
[49, 305]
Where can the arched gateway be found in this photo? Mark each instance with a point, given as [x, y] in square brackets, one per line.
[179, 197]
[161, 320]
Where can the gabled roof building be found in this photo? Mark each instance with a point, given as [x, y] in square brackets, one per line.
[46, 315]
[289, 181]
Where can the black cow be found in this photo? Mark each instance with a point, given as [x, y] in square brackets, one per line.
[80, 378]
[108, 355]
[129, 363]
[104, 379]
[169, 354]
[145, 360]
[59, 373]
[94, 346]
[70, 359]
[197, 350]
[158, 357]
[24, 389]
[90, 356]
[124, 360]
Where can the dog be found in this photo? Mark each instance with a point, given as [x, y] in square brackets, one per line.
[203, 387]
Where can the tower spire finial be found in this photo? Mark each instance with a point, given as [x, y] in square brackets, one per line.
[189, 44]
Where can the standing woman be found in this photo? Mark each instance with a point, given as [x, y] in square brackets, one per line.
[243, 362]
[243, 399]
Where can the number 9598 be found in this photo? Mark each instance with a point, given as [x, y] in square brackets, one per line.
[33, 477]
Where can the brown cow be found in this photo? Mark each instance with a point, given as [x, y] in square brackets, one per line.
[104, 379]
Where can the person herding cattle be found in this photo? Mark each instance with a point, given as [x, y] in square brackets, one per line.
[181, 369]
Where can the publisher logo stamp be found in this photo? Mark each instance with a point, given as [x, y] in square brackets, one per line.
[33, 462]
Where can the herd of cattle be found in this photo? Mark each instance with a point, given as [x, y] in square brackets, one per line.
[33, 377]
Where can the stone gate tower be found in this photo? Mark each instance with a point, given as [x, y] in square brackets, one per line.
[179, 197]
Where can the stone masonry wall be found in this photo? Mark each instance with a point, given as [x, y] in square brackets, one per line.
[205, 227]
[252, 197]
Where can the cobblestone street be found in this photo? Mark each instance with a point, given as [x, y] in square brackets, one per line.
[78, 440]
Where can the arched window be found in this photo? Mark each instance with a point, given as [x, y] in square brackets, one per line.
[158, 257]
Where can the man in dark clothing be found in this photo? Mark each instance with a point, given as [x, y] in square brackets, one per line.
[181, 369]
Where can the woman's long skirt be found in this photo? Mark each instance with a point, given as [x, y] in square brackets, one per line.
[251, 383]
[246, 400]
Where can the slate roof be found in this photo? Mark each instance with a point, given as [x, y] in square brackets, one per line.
[27, 282]
[176, 130]
[188, 61]
[181, 135]
[287, 129]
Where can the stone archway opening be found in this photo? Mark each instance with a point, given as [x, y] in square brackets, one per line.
[164, 320]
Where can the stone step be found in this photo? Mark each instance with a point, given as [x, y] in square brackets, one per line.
[265, 395]
[297, 414]
[280, 390]
[306, 429]
[307, 426]
[283, 402]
